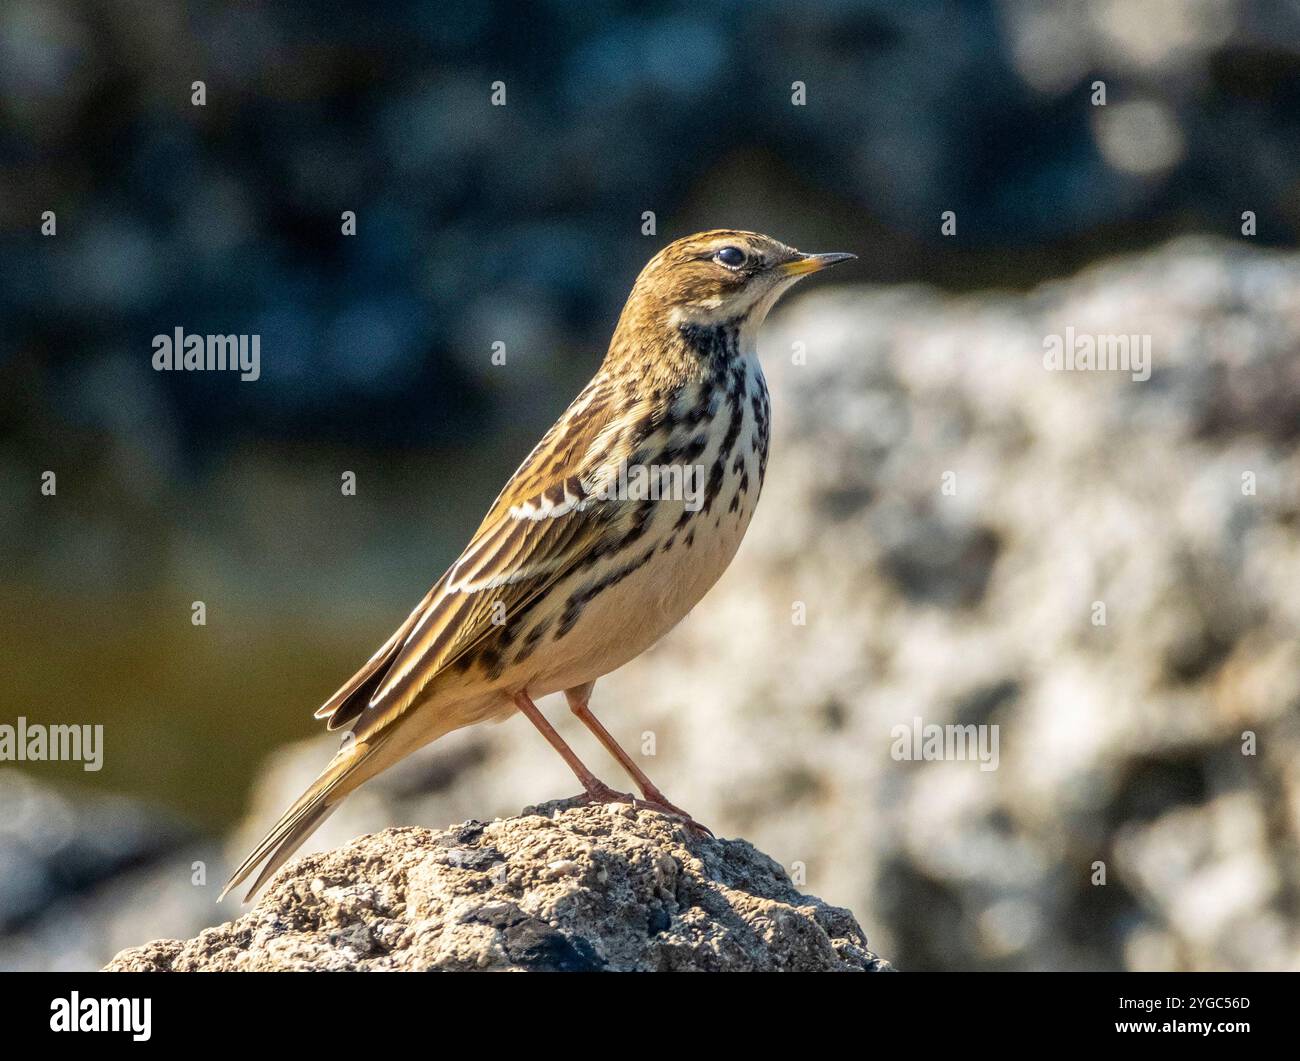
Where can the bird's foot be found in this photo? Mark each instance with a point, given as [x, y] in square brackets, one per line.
[654, 799]
[599, 792]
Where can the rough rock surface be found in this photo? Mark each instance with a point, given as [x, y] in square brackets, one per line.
[561, 888]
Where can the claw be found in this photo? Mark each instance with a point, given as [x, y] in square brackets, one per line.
[657, 802]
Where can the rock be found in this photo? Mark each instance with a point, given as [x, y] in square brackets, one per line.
[562, 887]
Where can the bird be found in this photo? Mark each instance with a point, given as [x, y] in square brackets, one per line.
[611, 530]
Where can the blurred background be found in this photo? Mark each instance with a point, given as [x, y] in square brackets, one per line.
[523, 224]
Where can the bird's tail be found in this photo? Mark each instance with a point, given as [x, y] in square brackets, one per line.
[353, 764]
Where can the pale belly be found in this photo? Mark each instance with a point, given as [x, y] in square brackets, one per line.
[663, 575]
[627, 618]
[613, 629]
[643, 604]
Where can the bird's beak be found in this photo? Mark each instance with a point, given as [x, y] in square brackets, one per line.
[812, 263]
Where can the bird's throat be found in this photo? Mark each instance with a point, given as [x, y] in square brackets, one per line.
[714, 346]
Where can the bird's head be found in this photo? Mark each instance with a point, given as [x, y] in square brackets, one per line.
[723, 278]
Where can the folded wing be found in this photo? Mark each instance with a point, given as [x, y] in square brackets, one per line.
[542, 525]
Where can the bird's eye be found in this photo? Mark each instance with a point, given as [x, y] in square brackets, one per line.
[731, 257]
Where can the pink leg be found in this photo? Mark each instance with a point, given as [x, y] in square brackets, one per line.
[653, 797]
[597, 791]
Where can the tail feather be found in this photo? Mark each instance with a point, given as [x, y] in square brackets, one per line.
[284, 851]
[341, 776]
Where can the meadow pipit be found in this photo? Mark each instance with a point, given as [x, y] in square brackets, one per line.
[618, 522]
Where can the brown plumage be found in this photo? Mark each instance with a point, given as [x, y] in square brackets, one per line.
[572, 572]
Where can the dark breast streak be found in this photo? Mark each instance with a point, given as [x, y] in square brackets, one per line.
[721, 396]
[719, 348]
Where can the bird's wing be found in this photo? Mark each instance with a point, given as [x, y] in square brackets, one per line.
[351, 699]
[544, 523]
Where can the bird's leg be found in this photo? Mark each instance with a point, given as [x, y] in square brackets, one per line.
[578, 704]
[596, 789]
